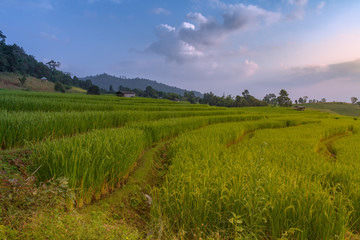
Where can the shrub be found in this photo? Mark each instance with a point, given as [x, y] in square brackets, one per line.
[59, 87]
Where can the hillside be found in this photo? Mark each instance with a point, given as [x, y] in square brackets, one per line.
[104, 81]
[336, 107]
[11, 81]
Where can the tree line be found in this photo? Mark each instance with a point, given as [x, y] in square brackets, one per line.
[149, 92]
[245, 100]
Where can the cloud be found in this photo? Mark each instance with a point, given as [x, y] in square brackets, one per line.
[314, 74]
[159, 11]
[250, 68]
[298, 2]
[312, 68]
[187, 25]
[321, 5]
[196, 37]
[299, 9]
[170, 46]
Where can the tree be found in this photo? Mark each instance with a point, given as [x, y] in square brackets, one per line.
[111, 89]
[190, 96]
[305, 98]
[296, 102]
[270, 99]
[58, 87]
[323, 100]
[301, 100]
[245, 93]
[53, 65]
[354, 100]
[172, 96]
[150, 92]
[283, 99]
[22, 80]
[2, 37]
[93, 90]
[240, 101]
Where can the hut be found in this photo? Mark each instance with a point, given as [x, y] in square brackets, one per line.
[125, 94]
[299, 108]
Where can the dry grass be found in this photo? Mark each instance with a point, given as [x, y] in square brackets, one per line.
[11, 81]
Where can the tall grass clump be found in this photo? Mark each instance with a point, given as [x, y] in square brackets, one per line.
[94, 163]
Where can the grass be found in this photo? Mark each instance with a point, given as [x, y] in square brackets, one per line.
[338, 108]
[263, 187]
[247, 173]
[11, 81]
[121, 215]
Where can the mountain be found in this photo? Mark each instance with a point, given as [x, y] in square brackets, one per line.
[104, 81]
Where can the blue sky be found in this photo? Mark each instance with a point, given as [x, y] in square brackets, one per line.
[308, 47]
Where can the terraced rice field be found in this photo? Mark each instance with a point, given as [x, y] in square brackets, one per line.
[244, 173]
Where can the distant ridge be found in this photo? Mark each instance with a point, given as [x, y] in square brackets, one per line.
[104, 81]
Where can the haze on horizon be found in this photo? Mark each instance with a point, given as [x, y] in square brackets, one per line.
[307, 47]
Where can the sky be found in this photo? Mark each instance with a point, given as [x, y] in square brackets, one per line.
[307, 47]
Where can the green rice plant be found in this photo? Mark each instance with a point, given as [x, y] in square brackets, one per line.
[167, 128]
[52, 103]
[345, 173]
[270, 184]
[94, 163]
[97, 161]
[18, 128]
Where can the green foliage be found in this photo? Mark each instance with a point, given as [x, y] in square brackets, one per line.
[150, 92]
[190, 97]
[21, 197]
[283, 99]
[3, 37]
[271, 99]
[239, 101]
[93, 90]
[58, 87]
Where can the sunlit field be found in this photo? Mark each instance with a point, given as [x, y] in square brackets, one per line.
[231, 173]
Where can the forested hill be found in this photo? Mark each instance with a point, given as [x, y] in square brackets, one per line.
[104, 81]
[14, 59]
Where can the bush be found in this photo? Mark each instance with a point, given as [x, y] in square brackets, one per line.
[93, 90]
[59, 87]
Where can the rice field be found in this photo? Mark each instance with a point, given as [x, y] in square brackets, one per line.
[234, 173]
